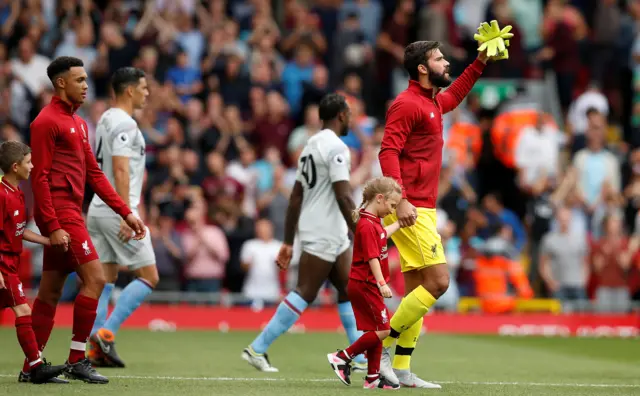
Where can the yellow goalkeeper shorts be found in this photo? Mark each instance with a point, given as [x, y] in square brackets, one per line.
[419, 245]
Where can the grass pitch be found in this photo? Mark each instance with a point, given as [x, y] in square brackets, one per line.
[208, 363]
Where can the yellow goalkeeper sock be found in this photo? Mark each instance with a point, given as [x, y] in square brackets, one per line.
[412, 308]
[388, 342]
[406, 344]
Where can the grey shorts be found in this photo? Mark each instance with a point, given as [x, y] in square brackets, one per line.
[133, 254]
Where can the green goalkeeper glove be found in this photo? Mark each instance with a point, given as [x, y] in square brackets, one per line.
[491, 38]
[502, 55]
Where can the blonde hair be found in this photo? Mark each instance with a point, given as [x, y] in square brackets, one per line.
[381, 185]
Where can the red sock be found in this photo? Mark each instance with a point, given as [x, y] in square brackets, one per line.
[27, 340]
[373, 361]
[42, 323]
[84, 314]
[367, 341]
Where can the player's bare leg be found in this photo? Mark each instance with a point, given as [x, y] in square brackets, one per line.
[84, 314]
[312, 273]
[102, 351]
[339, 277]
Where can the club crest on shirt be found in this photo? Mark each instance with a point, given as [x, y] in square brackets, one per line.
[73, 130]
[16, 213]
[85, 246]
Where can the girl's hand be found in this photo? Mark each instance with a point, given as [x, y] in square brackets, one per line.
[385, 291]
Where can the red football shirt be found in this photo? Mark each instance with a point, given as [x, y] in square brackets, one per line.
[370, 242]
[14, 221]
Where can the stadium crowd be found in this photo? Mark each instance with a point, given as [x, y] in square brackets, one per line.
[234, 92]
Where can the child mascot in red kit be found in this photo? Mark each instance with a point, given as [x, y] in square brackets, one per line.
[367, 286]
[15, 162]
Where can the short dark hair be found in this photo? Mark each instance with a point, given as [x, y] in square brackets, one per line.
[124, 77]
[12, 152]
[332, 105]
[61, 65]
[417, 53]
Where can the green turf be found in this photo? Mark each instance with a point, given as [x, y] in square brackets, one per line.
[204, 363]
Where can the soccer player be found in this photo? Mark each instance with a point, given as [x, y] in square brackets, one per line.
[15, 162]
[320, 208]
[62, 163]
[368, 281]
[120, 151]
[411, 153]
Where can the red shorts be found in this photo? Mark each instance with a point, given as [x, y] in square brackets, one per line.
[368, 306]
[12, 295]
[81, 250]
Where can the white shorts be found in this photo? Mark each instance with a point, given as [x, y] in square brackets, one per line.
[133, 254]
[324, 249]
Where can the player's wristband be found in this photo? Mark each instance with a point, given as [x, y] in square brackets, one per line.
[381, 283]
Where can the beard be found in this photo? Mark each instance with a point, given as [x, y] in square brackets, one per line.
[439, 80]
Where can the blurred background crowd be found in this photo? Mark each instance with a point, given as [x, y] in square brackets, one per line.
[540, 188]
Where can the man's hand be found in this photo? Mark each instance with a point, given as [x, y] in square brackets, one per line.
[406, 213]
[125, 233]
[60, 240]
[1, 282]
[136, 225]
[284, 256]
[491, 38]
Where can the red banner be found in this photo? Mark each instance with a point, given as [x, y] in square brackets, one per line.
[187, 317]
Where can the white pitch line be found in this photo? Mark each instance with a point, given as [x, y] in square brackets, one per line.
[485, 383]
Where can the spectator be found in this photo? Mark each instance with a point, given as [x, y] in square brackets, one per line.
[632, 192]
[80, 45]
[392, 40]
[244, 172]
[168, 249]
[29, 70]
[274, 203]
[317, 88]
[596, 166]
[206, 253]
[274, 129]
[185, 79]
[497, 214]
[238, 229]
[611, 262]
[234, 85]
[301, 134]
[257, 257]
[352, 51]
[564, 265]
[115, 50]
[606, 31]
[217, 184]
[561, 34]
[369, 13]
[537, 153]
[296, 73]
[586, 106]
